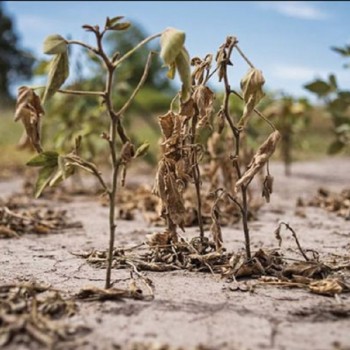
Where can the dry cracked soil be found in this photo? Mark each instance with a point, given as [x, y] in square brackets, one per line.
[192, 309]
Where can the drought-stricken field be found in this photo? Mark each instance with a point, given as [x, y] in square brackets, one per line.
[190, 309]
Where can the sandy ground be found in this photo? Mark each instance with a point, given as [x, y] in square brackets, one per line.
[196, 308]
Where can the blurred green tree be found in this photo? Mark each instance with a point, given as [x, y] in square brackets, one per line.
[15, 62]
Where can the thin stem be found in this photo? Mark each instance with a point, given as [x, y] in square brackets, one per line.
[256, 111]
[76, 42]
[140, 84]
[196, 176]
[139, 45]
[82, 93]
[236, 133]
[296, 240]
[244, 56]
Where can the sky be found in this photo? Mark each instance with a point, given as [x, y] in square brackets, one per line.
[288, 40]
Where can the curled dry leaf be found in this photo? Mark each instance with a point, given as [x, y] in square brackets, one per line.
[29, 110]
[267, 187]
[203, 98]
[201, 67]
[329, 286]
[251, 86]
[308, 269]
[159, 239]
[127, 152]
[262, 155]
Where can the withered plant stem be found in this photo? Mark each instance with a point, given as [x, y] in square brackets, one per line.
[81, 93]
[296, 240]
[196, 175]
[256, 111]
[236, 133]
[250, 64]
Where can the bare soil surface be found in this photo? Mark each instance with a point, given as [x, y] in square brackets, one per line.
[192, 309]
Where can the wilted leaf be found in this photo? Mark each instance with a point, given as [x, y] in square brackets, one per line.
[319, 87]
[48, 159]
[329, 286]
[204, 98]
[44, 177]
[55, 44]
[30, 110]
[251, 86]
[216, 233]
[59, 71]
[142, 150]
[171, 43]
[267, 187]
[182, 62]
[127, 152]
[262, 155]
[308, 269]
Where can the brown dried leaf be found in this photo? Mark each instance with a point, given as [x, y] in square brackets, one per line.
[127, 152]
[308, 269]
[251, 86]
[329, 286]
[30, 110]
[262, 155]
[94, 293]
[203, 98]
[267, 187]
[215, 230]
[159, 239]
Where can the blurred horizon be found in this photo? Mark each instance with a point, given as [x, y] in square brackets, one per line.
[288, 40]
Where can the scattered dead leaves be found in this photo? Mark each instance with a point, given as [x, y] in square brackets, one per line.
[31, 312]
[338, 203]
[18, 218]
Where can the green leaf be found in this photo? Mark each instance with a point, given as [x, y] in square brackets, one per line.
[59, 71]
[46, 159]
[335, 147]
[120, 26]
[319, 87]
[112, 21]
[55, 44]
[142, 150]
[45, 175]
[183, 67]
[171, 43]
[62, 175]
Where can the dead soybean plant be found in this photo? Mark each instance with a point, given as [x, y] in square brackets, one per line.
[55, 167]
[179, 163]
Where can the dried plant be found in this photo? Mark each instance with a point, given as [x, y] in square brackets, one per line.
[55, 167]
[180, 148]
